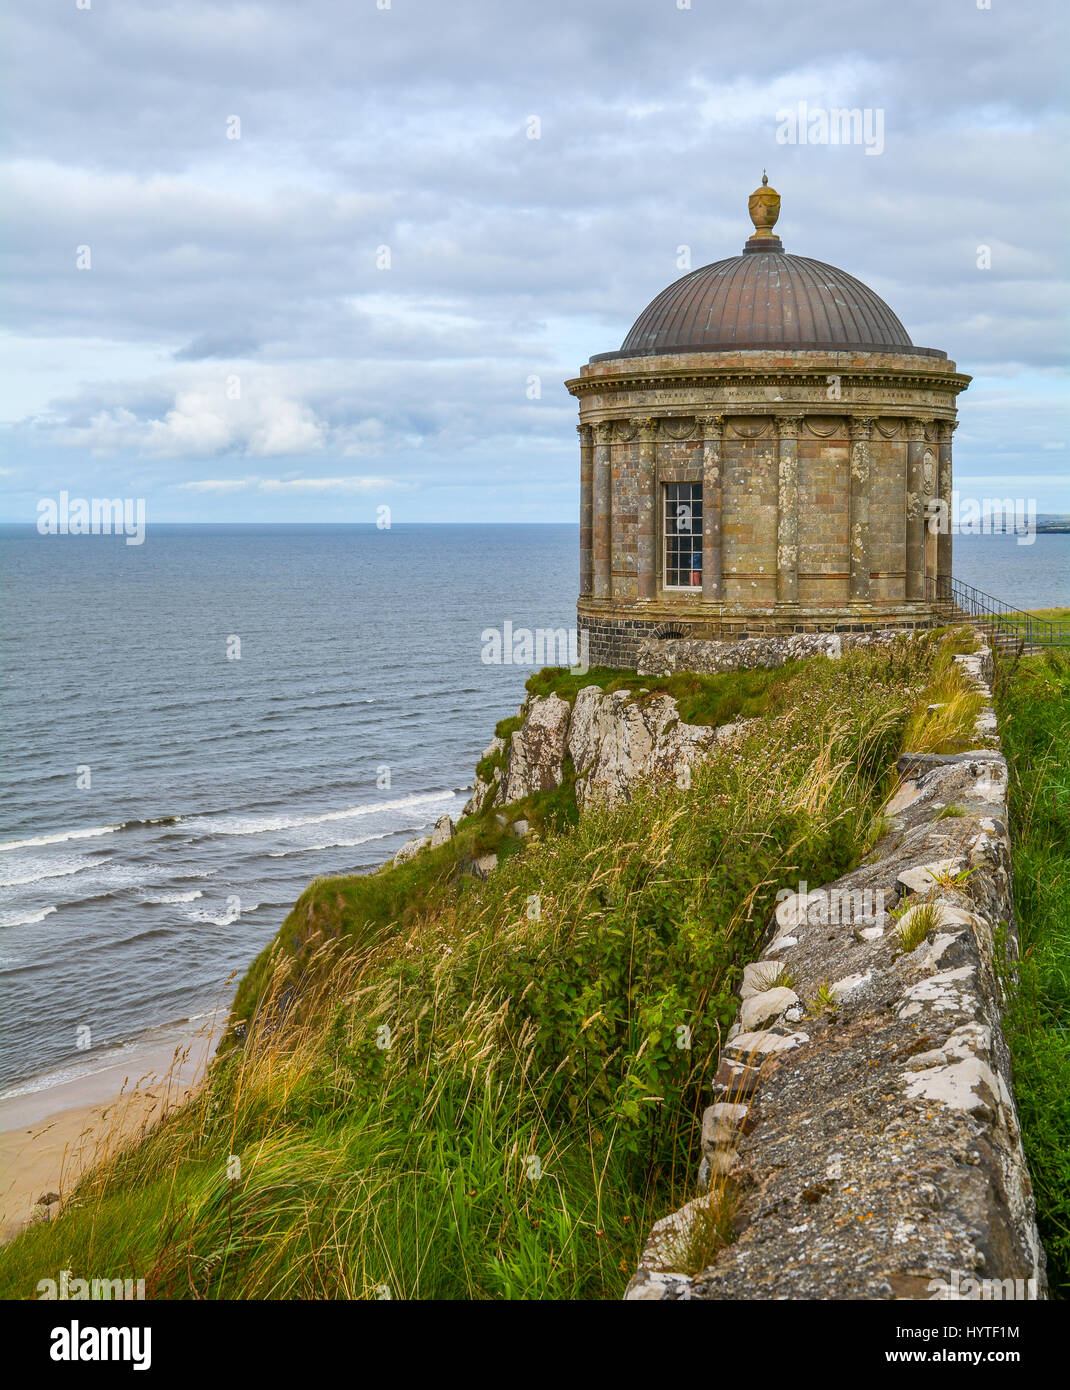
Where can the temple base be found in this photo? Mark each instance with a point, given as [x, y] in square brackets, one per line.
[615, 637]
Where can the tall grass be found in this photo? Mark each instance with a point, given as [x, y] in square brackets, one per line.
[446, 1088]
[1033, 698]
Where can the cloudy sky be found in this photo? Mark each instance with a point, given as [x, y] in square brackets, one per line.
[358, 300]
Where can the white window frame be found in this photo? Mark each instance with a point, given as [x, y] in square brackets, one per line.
[696, 495]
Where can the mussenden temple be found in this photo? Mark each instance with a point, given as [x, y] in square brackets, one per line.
[760, 456]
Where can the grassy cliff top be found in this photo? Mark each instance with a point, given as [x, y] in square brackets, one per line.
[452, 1088]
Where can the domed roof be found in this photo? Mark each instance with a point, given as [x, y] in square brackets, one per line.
[766, 298]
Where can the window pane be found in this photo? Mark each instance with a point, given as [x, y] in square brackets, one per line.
[682, 538]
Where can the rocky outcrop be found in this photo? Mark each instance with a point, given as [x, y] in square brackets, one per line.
[442, 833]
[616, 741]
[484, 791]
[660, 656]
[411, 848]
[862, 1112]
[537, 750]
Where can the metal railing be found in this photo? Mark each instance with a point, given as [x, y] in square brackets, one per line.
[1008, 626]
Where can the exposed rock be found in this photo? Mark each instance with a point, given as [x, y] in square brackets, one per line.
[770, 1004]
[922, 878]
[537, 749]
[721, 1124]
[484, 793]
[485, 865]
[936, 1058]
[442, 833]
[411, 848]
[760, 976]
[521, 828]
[617, 742]
[480, 792]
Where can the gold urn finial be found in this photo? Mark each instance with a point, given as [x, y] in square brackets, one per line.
[764, 208]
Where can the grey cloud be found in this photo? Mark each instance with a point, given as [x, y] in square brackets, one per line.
[217, 344]
[362, 128]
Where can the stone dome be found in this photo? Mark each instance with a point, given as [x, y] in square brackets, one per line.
[766, 299]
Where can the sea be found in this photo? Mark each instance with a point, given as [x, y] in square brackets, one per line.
[194, 728]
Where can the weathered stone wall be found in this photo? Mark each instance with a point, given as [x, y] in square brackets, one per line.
[665, 656]
[636, 643]
[823, 509]
[862, 1111]
[749, 511]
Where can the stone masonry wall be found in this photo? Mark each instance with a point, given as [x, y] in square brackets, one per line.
[862, 1110]
[652, 647]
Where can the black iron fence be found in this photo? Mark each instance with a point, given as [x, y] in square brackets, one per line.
[1008, 626]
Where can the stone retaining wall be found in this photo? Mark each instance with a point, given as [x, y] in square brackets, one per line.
[863, 1116]
[665, 656]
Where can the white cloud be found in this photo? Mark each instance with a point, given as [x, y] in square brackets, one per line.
[309, 485]
[205, 422]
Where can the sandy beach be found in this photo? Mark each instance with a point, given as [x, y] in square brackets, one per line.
[50, 1137]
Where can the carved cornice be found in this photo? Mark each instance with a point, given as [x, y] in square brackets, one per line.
[815, 377]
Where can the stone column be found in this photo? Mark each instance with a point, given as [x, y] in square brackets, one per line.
[601, 514]
[586, 435]
[787, 517]
[710, 430]
[861, 427]
[915, 504]
[645, 540]
[943, 488]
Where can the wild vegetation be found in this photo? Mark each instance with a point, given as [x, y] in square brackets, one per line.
[441, 1087]
[1033, 700]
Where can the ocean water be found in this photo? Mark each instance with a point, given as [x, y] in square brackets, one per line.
[218, 788]
[1035, 575]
